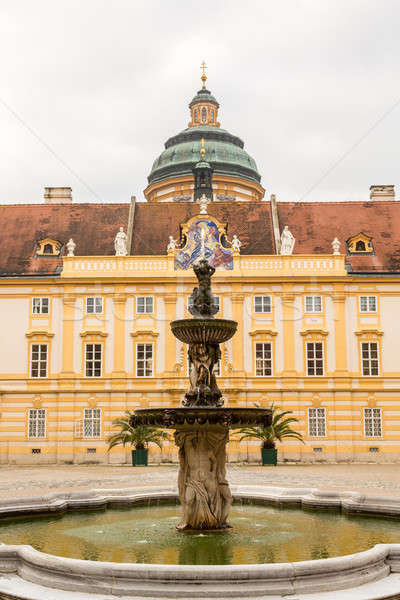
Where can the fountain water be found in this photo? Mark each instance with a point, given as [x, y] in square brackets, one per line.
[201, 424]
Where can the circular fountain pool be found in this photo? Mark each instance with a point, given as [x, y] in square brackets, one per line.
[147, 534]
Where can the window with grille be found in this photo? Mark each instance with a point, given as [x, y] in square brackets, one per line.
[144, 360]
[264, 359]
[144, 304]
[39, 353]
[316, 422]
[372, 422]
[368, 303]
[92, 422]
[370, 358]
[94, 305]
[204, 115]
[37, 423]
[262, 304]
[93, 355]
[315, 358]
[40, 306]
[314, 304]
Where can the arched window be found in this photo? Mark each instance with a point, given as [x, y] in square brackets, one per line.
[48, 249]
[360, 246]
[212, 116]
[203, 115]
[195, 116]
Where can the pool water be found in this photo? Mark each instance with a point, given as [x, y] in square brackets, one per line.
[147, 534]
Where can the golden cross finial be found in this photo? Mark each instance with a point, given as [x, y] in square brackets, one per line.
[204, 76]
[202, 150]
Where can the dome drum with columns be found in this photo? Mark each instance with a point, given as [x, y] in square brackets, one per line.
[235, 174]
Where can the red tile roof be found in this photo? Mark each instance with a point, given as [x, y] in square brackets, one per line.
[92, 227]
[316, 224]
[154, 222]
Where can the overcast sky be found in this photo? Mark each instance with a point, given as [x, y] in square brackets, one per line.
[90, 91]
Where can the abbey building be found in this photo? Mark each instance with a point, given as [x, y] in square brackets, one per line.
[87, 292]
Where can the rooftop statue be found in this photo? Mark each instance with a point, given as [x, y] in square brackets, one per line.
[287, 241]
[120, 243]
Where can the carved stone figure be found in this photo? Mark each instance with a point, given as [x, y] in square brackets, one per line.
[203, 384]
[203, 204]
[202, 302]
[71, 247]
[287, 241]
[120, 243]
[203, 488]
[336, 246]
[172, 244]
[236, 243]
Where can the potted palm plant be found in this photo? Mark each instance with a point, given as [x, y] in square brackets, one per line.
[279, 429]
[138, 437]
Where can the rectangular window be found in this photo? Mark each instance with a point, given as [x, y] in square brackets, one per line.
[93, 355]
[263, 359]
[316, 422]
[94, 305]
[372, 422]
[144, 304]
[314, 304]
[315, 358]
[37, 423]
[368, 303]
[370, 359]
[262, 304]
[39, 360]
[92, 422]
[144, 360]
[40, 306]
[217, 368]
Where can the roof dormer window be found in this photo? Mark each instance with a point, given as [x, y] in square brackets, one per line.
[360, 244]
[48, 247]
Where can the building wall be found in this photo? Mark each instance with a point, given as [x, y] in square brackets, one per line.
[66, 392]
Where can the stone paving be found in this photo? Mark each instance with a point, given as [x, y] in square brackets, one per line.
[38, 480]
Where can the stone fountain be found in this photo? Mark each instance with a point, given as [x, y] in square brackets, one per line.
[201, 424]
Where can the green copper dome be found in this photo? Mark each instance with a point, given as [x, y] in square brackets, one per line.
[203, 95]
[224, 152]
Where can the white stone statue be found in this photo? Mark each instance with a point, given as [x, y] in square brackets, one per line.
[287, 241]
[236, 243]
[336, 246]
[120, 243]
[172, 244]
[71, 247]
[203, 204]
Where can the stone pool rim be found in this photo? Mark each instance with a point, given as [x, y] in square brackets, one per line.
[141, 580]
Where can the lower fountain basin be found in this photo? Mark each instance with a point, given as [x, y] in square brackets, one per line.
[172, 418]
[203, 331]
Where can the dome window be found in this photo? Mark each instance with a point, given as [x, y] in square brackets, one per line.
[203, 115]
[195, 116]
[212, 116]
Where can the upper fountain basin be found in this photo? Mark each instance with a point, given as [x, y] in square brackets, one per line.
[202, 331]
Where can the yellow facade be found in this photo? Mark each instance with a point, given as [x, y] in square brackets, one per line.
[142, 365]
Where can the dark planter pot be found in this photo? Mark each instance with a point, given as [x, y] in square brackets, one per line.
[139, 457]
[269, 456]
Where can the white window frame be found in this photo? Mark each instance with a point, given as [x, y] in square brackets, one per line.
[315, 359]
[92, 361]
[372, 422]
[217, 368]
[369, 300]
[42, 304]
[94, 305]
[91, 423]
[37, 423]
[143, 362]
[263, 360]
[146, 300]
[312, 308]
[264, 300]
[39, 361]
[316, 419]
[367, 361]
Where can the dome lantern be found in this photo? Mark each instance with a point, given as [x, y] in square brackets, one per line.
[204, 107]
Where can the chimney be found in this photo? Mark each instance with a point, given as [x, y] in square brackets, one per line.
[58, 195]
[381, 192]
